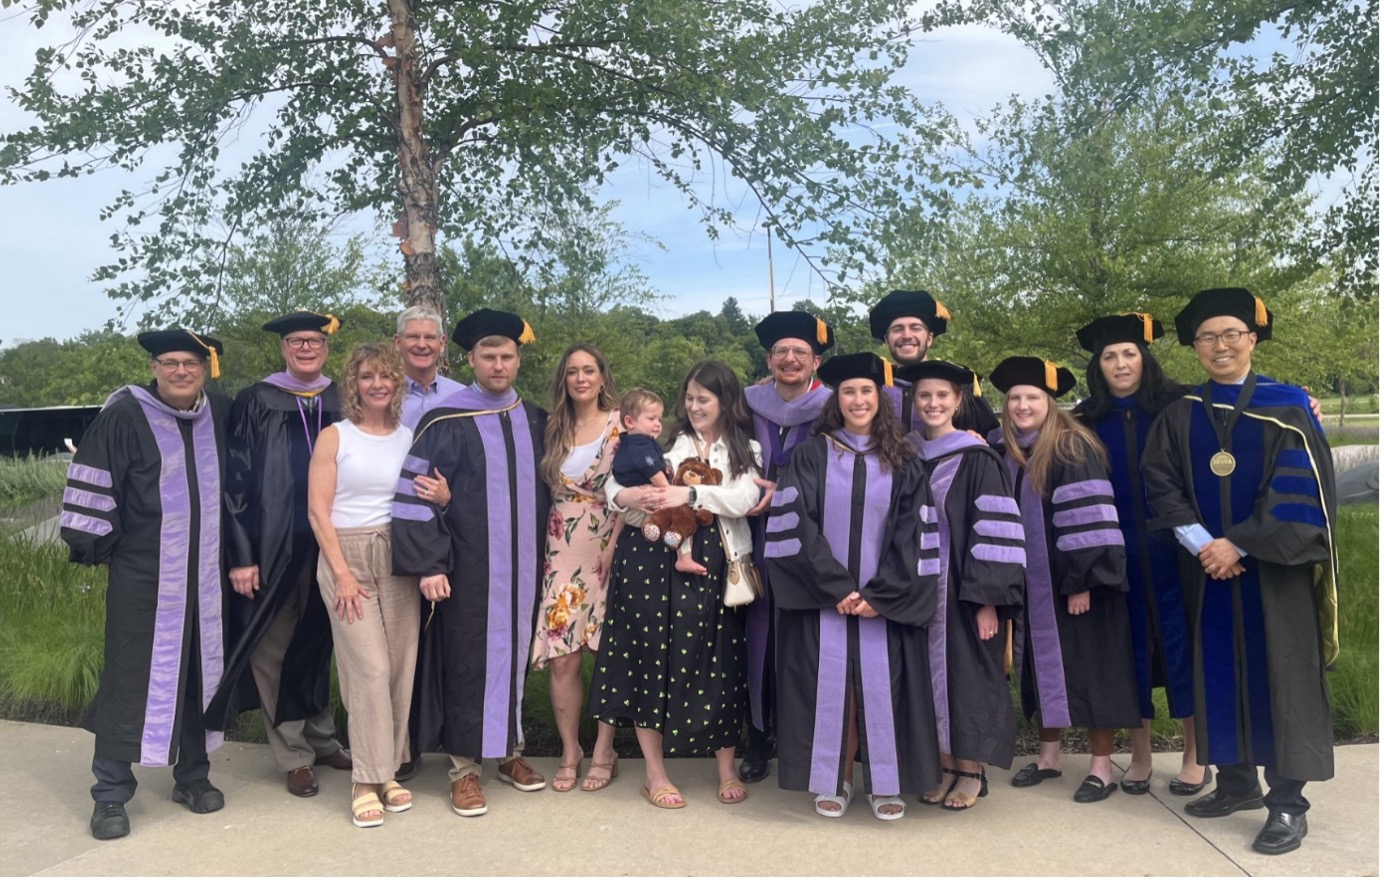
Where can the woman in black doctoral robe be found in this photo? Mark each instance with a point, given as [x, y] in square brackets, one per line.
[851, 546]
[980, 585]
[1076, 661]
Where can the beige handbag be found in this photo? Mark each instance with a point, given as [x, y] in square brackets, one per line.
[743, 585]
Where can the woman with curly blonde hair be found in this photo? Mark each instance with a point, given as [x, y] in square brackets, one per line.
[351, 486]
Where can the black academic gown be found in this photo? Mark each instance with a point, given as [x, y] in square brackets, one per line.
[982, 563]
[271, 437]
[473, 656]
[143, 496]
[1075, 669]
[841, 524]
[1261, 640]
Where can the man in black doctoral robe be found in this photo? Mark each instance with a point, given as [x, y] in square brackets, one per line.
[143, 499]
[480, 560]
[784, 411]
[282, 638]
[908, 321]
[1241, 472]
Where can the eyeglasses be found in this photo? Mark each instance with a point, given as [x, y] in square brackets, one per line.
[1229, 337]
[173, 366]
[415, 338]
[311, 343]
[781, 352]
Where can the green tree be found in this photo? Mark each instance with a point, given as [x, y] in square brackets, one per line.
[456, 117]
[79, 371]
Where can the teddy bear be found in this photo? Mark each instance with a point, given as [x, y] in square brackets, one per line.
[673, 524]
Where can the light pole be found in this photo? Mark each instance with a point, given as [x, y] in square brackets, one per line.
[769, 240]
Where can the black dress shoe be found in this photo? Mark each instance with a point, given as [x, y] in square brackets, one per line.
[1187, 789]
[1134, 786]
[754, 768]
[1282, 833]
[408, 769]
[1093, 789]
[1220, 803]
[337, 760]
[109, 820]
[200, 796]
[1031, 775]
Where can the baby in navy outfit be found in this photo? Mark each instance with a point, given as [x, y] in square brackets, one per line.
[639, 458]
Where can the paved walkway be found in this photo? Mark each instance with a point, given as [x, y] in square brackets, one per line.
[264, 831]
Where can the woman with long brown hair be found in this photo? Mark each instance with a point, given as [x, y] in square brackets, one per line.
[672, 657]
[1076, 662]
[579, 445]
[851, 547]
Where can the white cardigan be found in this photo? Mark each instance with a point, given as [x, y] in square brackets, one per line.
[730, 501]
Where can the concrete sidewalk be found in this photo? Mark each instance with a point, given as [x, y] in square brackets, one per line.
[265, 831]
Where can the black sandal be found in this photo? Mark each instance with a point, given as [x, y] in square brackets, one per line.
[968, 800]
[940, 791]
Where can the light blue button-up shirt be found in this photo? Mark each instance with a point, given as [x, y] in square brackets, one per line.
[418, 398]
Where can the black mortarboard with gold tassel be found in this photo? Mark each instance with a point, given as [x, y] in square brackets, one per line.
[303, 320]
[961, 377]
[161, 342]
[862, 365]
[1053, 378]
[485, 323]
[1135, 327]
[908, 304]
[1234, 302]
[795, 325]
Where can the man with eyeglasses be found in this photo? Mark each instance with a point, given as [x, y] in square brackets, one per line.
[784, 411]
[420, 341]
[908, 321]
[281, 634]
[1241, 472]
[143, 499]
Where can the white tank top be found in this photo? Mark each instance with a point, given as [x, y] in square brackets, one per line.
[367, 472]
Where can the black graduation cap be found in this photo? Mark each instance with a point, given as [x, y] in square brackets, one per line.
[862, 365]
[953, 373]
[1125, 327]
[303, 320]
[908, 304]
[1052, 378]
[161, 342]
[1235, 302]
[483, 323]
[795, 325]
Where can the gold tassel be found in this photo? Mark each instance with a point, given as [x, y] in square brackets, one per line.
[888, 374]
[975, 384]
[1261, 314]
[1050, 375]
[1147, 321]
[942, 311]
[821, 332]
[332, 324]
[527, 337]
[211, 354]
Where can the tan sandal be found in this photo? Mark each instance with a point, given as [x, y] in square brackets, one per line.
[565, 779]
[596, 783]
[656, 797]
[397, 799]
[728, 785]
[363, 806]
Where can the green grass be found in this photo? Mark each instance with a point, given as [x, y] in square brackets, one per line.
[1355, 681]
[25, 480]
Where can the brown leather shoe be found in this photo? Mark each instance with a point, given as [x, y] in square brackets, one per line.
[519, 774]
[467, 797]
[337, 760]
[302, 782]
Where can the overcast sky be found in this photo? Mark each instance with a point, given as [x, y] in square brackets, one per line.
[51, 237]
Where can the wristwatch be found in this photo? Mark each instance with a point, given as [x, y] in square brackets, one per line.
[691, 494]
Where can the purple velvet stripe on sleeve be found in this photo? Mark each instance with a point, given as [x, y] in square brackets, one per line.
[997, 504]
[92, 500]
[942, 477]
[499, 659]
[83, 523]
[1088, 540]
[85, 473]
[997, 528]
[526, 583]
[930, 541]
[1040, 615]
[161, 701]
[1081, 489]
[928, 514]
[413, 512]
[828, 739]
[998, 553]
[405, 487]
[782, 522]
[415, 465]
[780, 549]
[882, 749]
[209, 564]
[785, 495]
[929, 566]
[1087, 515]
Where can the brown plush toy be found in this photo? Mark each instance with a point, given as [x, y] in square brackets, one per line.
[672, 524]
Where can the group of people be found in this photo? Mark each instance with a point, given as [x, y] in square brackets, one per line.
[913, 553]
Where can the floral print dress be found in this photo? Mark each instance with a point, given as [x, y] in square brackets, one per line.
[576, 561]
